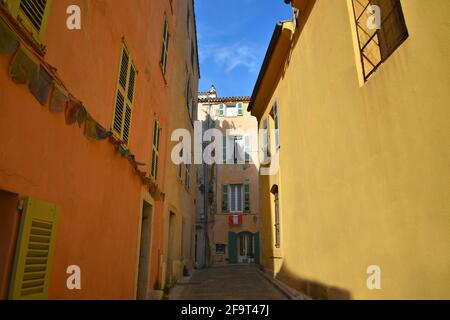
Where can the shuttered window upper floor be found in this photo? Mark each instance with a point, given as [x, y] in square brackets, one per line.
[32, 15]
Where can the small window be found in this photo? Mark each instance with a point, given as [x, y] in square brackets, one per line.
[125, 93]
[277, 124]
[156, 145]
[180, 167]
[232, 110]
[236, 198]
[274, 192]
[220, 248]
[266, 140]
[377, 44]
[165, 46]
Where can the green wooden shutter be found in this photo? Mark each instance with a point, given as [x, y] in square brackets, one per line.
[222, 110]
[34, 251]
[232, 247]
[225, 193]
[256, 244]
[248, 146]
[240, 107]
[247, 198]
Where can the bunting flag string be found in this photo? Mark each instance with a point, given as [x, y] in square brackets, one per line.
[72, 109]
[27, 67]
[82, 116]
[102, 133]
[40, 85]
[22, 66]
[59, 99]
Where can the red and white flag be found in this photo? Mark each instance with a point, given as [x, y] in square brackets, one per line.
[235, 220]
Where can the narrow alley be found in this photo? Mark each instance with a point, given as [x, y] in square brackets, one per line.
[224, 150]
[233, 282]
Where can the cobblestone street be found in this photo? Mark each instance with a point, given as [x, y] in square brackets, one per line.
[236, 282]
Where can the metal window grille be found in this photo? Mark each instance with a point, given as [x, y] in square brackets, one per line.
[376, 45]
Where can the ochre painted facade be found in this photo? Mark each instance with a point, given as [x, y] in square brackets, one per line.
[245, 175]
[364, 174]
[181, 184]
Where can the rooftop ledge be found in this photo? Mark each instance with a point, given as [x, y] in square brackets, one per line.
[274, 60]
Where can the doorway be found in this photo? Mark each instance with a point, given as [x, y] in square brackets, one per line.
[246, 248]
[171, 248]
[145, 252]
[9, 225]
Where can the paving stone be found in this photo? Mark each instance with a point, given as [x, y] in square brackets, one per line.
[236, 282]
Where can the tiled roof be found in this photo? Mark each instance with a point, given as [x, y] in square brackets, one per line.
[225, 99]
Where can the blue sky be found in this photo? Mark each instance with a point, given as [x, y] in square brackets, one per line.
[233, 36]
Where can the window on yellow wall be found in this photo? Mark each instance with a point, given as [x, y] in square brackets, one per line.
[379, 33]
[165, 46]
[155, 153]
[125, 92]
[274, 192]
[266, 140]
[32, 15]
[180, 167]
[188, 176]
[275, 116]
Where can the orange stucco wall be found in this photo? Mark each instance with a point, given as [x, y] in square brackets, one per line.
[96, 189]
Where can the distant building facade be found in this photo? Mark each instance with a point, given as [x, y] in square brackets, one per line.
[232, 191]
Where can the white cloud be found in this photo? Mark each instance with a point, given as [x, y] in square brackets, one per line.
[230, 57]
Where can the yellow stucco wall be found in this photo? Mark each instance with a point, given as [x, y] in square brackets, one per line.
[364, 176]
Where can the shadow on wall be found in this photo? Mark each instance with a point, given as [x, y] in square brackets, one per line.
[313, 289]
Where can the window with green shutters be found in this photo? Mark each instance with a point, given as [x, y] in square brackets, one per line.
[225, 198]
[34, 250]
[231, 110]
[222, 110]
[32, 15]
[240, 107]
[155, 146]
[165, 46]
[125, 94]
[247, 198]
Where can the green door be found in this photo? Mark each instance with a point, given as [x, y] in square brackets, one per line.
[256, 244]
[232, 247]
